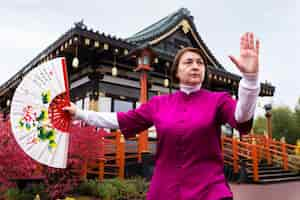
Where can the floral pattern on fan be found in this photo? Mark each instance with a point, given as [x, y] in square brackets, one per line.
[40, 122]
[28, 121]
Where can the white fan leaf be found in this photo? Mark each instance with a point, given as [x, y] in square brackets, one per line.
[30, 118]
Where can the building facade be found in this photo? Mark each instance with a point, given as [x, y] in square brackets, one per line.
[102, 69]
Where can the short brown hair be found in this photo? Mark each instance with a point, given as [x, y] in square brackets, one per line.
[177, 58]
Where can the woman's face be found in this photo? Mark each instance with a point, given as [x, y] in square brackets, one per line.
[191, 69]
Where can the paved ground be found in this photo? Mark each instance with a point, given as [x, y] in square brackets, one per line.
[279, 191]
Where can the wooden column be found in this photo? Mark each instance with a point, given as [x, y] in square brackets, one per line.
[268, 152]
[235, 156]
[143, 137]
[101, 169]
[254, 162]
[122, 158]
[95, 76]
[269, 124]
[284, 154]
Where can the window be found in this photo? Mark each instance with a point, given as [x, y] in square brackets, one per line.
[122, 106]
[104, 104]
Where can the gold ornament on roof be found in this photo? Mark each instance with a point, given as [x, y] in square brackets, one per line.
[186, 27]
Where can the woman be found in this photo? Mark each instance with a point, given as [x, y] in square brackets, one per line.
[189, 164]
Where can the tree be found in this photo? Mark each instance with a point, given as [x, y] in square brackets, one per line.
[284, 124]
[85, 144]
[260, 125]
[297, 116]
[14, 163]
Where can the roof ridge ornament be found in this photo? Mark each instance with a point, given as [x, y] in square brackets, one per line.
[80, 24]
[186, 27]
[185, 11]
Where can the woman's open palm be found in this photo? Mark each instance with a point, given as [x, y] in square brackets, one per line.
[249, 54]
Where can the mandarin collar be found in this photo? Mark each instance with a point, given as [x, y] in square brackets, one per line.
[188, 89]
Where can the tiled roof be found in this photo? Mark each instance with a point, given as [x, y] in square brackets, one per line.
[160, 27]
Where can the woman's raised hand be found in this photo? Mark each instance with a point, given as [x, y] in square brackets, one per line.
[249, 54]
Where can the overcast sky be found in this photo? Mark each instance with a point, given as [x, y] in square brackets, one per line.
[29, 26]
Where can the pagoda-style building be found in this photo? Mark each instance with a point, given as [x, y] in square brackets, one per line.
[103, 70]
[111, 74]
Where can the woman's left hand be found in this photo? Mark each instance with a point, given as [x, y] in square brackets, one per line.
[249, 54]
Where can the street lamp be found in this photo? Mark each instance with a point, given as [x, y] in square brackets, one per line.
[268, 114]
[144, 56]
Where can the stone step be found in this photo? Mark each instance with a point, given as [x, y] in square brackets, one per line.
[268, 167]
[266, 171]
[282, 174]
[278, 180]
[264, 168]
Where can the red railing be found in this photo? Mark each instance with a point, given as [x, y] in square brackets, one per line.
[254, 148]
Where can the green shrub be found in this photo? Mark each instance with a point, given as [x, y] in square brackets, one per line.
[28, 193]
[108, 192]
[25, 196]
[141, 184]
[131, 191]
[12, 193]
[16, 194]
[87, 187]
[115, 189]
[37, 189]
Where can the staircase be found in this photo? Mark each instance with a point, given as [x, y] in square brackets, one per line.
[253, 159]
[257, 159]
[272, 174]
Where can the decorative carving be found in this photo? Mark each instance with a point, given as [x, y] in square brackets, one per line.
[80, 24]
[186, 27]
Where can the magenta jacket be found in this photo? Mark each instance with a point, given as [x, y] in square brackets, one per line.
[189, 163]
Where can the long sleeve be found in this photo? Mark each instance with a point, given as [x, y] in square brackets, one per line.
[135, 121]
[99, 119]
[129, 123]
[247, 96]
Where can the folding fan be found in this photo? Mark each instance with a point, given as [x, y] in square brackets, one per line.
[38, 122]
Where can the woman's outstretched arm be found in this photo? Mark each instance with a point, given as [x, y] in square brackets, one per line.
[99, 119]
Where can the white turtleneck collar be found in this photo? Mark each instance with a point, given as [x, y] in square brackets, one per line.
[188, 89]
